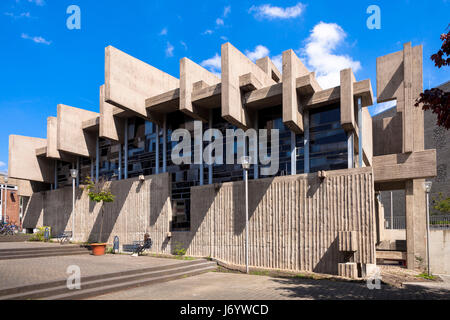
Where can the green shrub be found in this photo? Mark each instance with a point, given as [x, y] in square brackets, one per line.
[39, 236]
[178, 249]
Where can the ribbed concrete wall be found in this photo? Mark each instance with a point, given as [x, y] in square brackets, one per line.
[139, 207]
[294, 220]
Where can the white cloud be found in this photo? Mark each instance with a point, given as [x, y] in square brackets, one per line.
[318, 52]
[219, 22]
[163, 32]
[226, 11]
[381, 107]
[224, 38]
[169, 50]
[213, 64]
[38, 2]
[22, 15]
[278, 62]
[259, 52]
[2, 164]
[184, 45]
[208, 32]
[268, 11]
[35, 39]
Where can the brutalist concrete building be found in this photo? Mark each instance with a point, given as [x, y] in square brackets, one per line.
[319, 212]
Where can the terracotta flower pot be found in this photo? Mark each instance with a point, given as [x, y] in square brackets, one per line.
[98, 249]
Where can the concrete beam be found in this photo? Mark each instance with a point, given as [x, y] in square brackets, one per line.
[234, 65]
[91, 125]
[191, 73]
[110, 126]
[367, 138]
[23, 162]
[129, 82]
[348, 120]
[71, 137]
[405, 166]
[52, 138]
[269, 67]
[292, 104]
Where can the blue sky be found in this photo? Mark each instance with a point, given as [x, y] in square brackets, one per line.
[43, 63]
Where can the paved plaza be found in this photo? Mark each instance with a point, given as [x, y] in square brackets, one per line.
[207, 286]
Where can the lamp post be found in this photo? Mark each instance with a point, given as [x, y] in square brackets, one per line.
[5, 178]
[73, 174]
[427, 186]
[245, 161]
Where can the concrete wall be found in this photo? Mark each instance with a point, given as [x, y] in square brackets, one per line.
[294, 220]
[440, 251]
[139, 207]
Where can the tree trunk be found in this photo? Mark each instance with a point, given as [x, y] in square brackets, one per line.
[101, 226]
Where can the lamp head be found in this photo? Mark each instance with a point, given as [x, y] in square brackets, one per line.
[427, 186]
[73, 173]
[245, 161]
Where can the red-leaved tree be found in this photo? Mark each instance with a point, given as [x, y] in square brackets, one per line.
[435, 99]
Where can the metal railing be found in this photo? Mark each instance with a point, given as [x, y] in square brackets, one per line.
[397, 223]
[440, 221]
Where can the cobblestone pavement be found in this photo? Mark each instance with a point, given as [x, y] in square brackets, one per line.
[19, 272]
[231, 286]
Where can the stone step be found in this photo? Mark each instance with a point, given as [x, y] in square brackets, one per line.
[100, 284]
[41, 249]
[15, 238]
[30, 255]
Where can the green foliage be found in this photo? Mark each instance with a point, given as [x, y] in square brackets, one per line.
[179, 250]
[427, 276]
[39, 236]
[441, 205]
[98, 192]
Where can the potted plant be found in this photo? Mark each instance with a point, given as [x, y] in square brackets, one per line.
[99, 193]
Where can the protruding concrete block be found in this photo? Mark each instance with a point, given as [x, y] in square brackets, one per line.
[110, 127]
[71, 137]
[52, 138]
[367, 138]
[191, 74]
[400, 76]
[348, 241]
[348, 120]
[268, 67]
[23, 162]
[348, 270]
[234, 65]
[293, 68]
[129, 81]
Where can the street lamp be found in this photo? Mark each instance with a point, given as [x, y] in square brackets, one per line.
[73, 174]
[245, 161]
[427, 187]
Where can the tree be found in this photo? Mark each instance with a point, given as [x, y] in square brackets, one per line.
[99, 193]
[435, 99]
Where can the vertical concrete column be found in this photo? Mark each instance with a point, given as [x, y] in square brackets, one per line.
[125, 151]
[157, 150]
[306, 141]
[293, 154]
[360, 124]
[56, 174]
[120, 163]
[198, 148]
[92, 168]
[97, 159]
[210, 166]
[350, 150]
[416, 228]
[165, 143]
[78, 170]
[256, 166]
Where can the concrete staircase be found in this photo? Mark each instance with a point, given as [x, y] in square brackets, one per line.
[26, 253]
[106, 283]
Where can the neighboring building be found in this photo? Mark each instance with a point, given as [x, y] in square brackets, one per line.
[10, 202]
[318, 212]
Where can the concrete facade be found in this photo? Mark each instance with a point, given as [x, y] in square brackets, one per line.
[392, 152]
